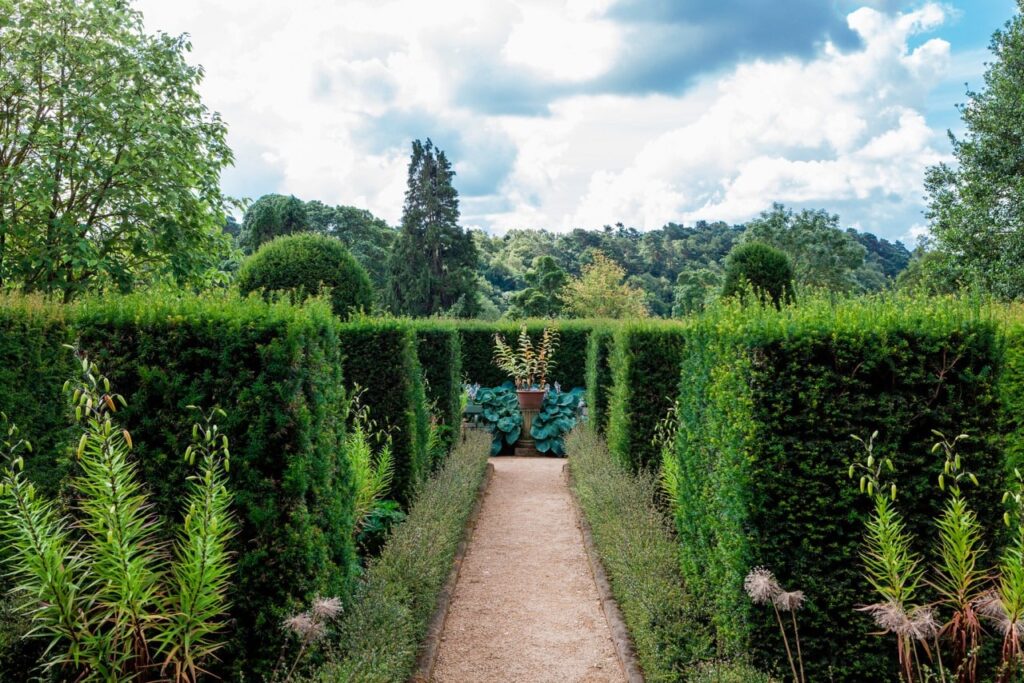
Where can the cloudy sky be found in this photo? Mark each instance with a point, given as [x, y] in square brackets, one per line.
[580, 113]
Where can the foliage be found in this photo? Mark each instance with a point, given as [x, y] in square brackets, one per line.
[432, 266]
[109, 161]
[822, 255]
[140, 612]
[279, 368]
[368, 238]
[369, 456]
[527, 366]
[761, 268]
[598, 376]
[645, 373]
[556, 418]
[380, 355]
[272, 216]
[695, 287]
[305, 264]
[728, 672]
[599, 292]
[542, 296]
[766, 400]
[500, 411]
[667, 622]
[377, 527]
[379, 637]
[974, 207]
[439, 350]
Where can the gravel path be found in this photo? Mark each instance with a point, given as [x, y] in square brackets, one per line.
[525, 607]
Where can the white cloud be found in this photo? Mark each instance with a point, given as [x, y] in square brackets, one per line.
[307, 89]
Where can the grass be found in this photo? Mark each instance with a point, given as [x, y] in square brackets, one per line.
[379, 637]
[640, 554]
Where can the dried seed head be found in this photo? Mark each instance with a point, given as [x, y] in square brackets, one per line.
[991, 606]
[327, 608]
[761, 586]
[305, 626]
[890, 617]
[789, 601]
[923, 624]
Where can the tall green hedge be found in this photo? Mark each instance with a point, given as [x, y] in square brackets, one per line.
[1011, 388]
[276, 370]
[570, 357]
[768, 402]
[645, 378]
[380, 357]
[599, 375]
[440, 354]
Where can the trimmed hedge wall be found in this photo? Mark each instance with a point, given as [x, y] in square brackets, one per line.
[380, 356]
[276, 370]
[440, 354]
[645, 378]
[599, 375]
[767, 406]
[1011, 393]
[570, 357]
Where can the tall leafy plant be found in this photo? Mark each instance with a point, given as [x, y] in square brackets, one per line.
[528, 365]
[370, 458]
[115, 602]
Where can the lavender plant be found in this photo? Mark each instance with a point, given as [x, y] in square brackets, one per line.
[114, 601]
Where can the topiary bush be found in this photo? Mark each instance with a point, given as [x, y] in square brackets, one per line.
[276, 368]
[768, 401]
[304, 264]
[380, 357]
[645, 379]
[761, 268]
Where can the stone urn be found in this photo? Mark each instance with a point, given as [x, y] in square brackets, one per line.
[530, 402]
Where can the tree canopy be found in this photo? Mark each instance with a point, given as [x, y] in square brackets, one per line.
[271, 216]
[432, 266]
[109, 161]
[600, 292]
[976, 208]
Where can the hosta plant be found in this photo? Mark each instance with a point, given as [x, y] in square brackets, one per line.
[115, 601]
[556, 418]
[527, 364]
[500, 412]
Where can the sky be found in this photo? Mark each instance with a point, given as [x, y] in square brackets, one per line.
[563, 114]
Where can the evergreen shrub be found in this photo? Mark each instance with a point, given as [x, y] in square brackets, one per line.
[768, 401]
[645, 382]
[439, 350]
[599, 375]
[570, 357]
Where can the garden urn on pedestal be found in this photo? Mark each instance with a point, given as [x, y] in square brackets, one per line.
[530, 402]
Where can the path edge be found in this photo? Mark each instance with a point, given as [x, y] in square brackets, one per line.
[616, 623]
[427, 658]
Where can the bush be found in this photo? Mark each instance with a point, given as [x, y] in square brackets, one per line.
[728, 672]
[278, 369]
[639, 553]
[304, 264]
[645, 380]
[599, 375]
[761, 267]
[440, 354]
[570, 356]
[1011, 392]
[380, 357]
[768, 401]
[380, 635]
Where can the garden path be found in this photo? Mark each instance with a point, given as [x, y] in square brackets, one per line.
[525, 606]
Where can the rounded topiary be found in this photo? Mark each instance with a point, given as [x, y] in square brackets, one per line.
[761, 268]
[304, 264]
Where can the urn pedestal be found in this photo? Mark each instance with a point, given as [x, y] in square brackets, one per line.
[530, 402]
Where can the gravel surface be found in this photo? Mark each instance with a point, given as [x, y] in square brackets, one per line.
[525, 607]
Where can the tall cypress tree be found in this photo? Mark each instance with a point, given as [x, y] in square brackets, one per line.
[432, 268]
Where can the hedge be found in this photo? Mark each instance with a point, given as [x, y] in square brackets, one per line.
[380, 635]
[1011, 389]
[440, 354]
[768, 402]
[570, 357]
[645, 378]
[599, 375]
[380, 357]
[275, 369]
